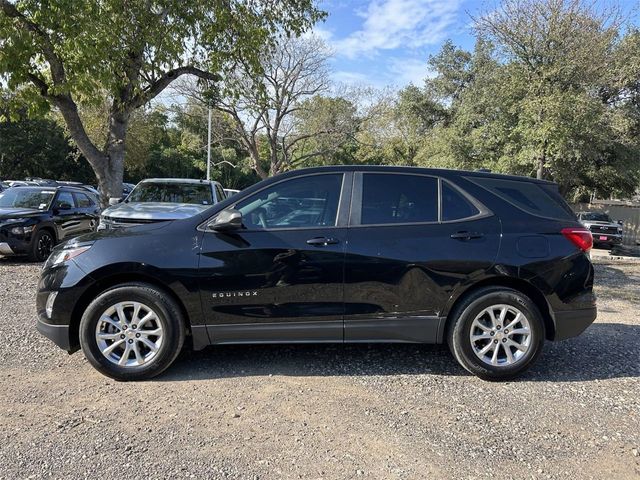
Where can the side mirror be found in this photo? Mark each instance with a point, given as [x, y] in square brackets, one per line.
[63, 206]
[229, 219]
[620, 222]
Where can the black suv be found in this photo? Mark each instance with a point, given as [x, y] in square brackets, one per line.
[491, 264]
[34, 219]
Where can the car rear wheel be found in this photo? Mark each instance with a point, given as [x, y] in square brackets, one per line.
[42, 245]
[132, 332]
[496, 333]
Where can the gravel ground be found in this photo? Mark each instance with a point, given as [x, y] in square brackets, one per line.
[376, 411]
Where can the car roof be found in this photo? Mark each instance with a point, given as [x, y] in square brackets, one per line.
[52, 188]
[442, 172]
[177, 180]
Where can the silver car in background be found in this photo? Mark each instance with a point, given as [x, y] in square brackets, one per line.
[160, 200]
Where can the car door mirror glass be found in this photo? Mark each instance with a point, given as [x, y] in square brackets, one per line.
[229, 219]
[64, 206]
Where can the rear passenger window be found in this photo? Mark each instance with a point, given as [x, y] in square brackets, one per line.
[454, 204]
[398, 198]
[65, 198]
[83, 201]
[533, 198]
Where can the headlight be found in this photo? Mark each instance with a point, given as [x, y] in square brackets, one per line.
[22, 230]
[66, 254]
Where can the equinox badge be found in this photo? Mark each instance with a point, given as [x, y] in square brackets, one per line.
[252, 293]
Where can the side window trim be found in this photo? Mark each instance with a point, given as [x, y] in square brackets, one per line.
[343, 204]
[355, 218]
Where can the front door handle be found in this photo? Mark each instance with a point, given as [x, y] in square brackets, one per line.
[322, 241]
[466, 235]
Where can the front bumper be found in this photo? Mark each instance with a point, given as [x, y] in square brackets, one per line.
[606, 238]
[5, 249]
[14, 244]
[69, 283]
[572, 323]
[58, 334]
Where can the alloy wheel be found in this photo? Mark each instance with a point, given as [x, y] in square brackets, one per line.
[45, 245]
[500, 335]
[129, 334]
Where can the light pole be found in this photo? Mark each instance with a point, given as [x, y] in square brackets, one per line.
[209, 147]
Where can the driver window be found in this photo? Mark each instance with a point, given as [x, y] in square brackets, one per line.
[305, 202]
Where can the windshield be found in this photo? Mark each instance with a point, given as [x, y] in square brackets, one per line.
[26, 198]
[195, 193]
[595, 217]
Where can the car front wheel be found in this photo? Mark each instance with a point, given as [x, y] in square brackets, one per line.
[41, 247]
[496, 333]
[132, 332]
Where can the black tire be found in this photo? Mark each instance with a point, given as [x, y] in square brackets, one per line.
[168, 314]
[462, 318]
[41, 246]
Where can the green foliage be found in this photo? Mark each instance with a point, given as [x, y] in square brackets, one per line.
[556, 96]
[78, 54]
[39, 148]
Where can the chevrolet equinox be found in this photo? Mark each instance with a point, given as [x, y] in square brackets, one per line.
[492, 264]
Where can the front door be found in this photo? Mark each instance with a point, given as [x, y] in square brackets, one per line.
[280, 278]
[413, 240]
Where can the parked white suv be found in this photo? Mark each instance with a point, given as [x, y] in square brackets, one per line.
[162, 199]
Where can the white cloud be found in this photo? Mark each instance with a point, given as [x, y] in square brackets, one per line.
[402, 71]
[390, 24]
[352, 78]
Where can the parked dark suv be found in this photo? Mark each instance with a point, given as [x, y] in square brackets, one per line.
[34, 219]
[491, 264]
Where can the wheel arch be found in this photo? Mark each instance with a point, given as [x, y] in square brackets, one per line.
[112, 281]
[49, 228]
[517, 284]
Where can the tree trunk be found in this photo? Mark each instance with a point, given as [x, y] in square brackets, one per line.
[542, 162]
[110, 181]
[108, 165]
[540, 170]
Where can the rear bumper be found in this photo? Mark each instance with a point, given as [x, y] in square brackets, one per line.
[572, 323]
[58, 334]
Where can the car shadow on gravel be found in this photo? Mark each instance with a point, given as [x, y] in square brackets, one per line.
[604, 351]
[17, 260]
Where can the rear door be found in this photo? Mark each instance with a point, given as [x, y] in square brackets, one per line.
[412, 240]
[88, 212]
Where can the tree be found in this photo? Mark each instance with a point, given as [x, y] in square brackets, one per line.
[561, 47]
[35, 145]
[263, 107]
[75, 53]
[325, 129]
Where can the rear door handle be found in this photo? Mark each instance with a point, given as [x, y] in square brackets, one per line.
[466, 235]
[322, 241]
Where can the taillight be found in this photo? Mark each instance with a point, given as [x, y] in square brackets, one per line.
[580, 237]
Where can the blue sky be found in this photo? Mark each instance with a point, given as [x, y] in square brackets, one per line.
[388, 42]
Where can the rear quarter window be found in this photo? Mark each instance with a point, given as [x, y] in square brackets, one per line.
[455, 206]
[537, 199]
